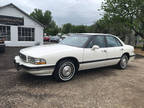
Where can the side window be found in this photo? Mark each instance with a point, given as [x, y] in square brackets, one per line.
[97, 40]
[112, 42]
[118, 42]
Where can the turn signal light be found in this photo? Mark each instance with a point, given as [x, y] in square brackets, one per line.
[41, 63]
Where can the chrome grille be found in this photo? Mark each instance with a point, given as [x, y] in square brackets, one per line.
[22, 56]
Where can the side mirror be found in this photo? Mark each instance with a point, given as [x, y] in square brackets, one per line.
[95, 47]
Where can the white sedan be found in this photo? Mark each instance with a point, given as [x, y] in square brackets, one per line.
[74, 53]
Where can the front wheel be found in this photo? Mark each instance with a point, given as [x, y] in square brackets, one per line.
[65, 70]
[123, 62]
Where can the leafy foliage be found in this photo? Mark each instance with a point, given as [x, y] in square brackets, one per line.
[111, 25]
[46, 19]
[69, 28]
[129, 12]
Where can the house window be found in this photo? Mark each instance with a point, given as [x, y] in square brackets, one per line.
[5, 32]
[26, 34]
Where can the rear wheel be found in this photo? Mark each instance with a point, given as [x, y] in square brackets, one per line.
[65, 70]
[123, 62]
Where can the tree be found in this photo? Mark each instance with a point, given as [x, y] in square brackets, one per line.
[129, 11]
[110, 25]
[80, 29]
[46, 19]
[43, 17]
[67, 28]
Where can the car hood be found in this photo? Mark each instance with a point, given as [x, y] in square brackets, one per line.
[45, 50]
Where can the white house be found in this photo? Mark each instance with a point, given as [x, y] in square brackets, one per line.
[19, 28]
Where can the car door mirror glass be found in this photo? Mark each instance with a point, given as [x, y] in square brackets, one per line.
[95, 47]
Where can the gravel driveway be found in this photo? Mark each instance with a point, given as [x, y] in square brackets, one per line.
[98, 88]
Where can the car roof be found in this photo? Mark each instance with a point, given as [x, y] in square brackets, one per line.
[92, 34]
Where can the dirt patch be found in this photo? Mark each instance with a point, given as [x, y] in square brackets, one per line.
[97, 88]
[139, 51]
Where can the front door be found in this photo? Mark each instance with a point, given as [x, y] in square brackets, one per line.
[94, 58]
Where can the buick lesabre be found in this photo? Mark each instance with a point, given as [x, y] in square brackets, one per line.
[74, 53]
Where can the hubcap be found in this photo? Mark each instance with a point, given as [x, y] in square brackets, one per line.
[67, 71]
[124, 62]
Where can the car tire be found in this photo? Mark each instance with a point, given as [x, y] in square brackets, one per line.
[65, 70]
[123, 62]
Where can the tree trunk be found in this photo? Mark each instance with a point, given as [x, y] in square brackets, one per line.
[129, 40]
[135, 40]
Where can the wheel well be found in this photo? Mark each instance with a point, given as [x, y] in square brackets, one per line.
[76, 62]
[127, 54]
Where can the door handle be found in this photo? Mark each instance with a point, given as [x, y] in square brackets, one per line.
[105, 51]
[121, 49]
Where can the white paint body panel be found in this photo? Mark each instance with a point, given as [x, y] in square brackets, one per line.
[53, 53]
[90, 55]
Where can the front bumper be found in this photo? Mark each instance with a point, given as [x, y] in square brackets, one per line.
[35, 70]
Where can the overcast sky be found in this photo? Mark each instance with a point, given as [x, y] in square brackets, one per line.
[63, 11]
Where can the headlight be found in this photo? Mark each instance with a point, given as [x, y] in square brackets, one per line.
[37, 61]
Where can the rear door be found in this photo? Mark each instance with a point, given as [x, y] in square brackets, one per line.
[114, 50]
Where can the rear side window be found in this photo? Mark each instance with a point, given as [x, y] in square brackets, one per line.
[112, 42]
[118, 42]
[97, 40]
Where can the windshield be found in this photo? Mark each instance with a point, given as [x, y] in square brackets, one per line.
[77, 41]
